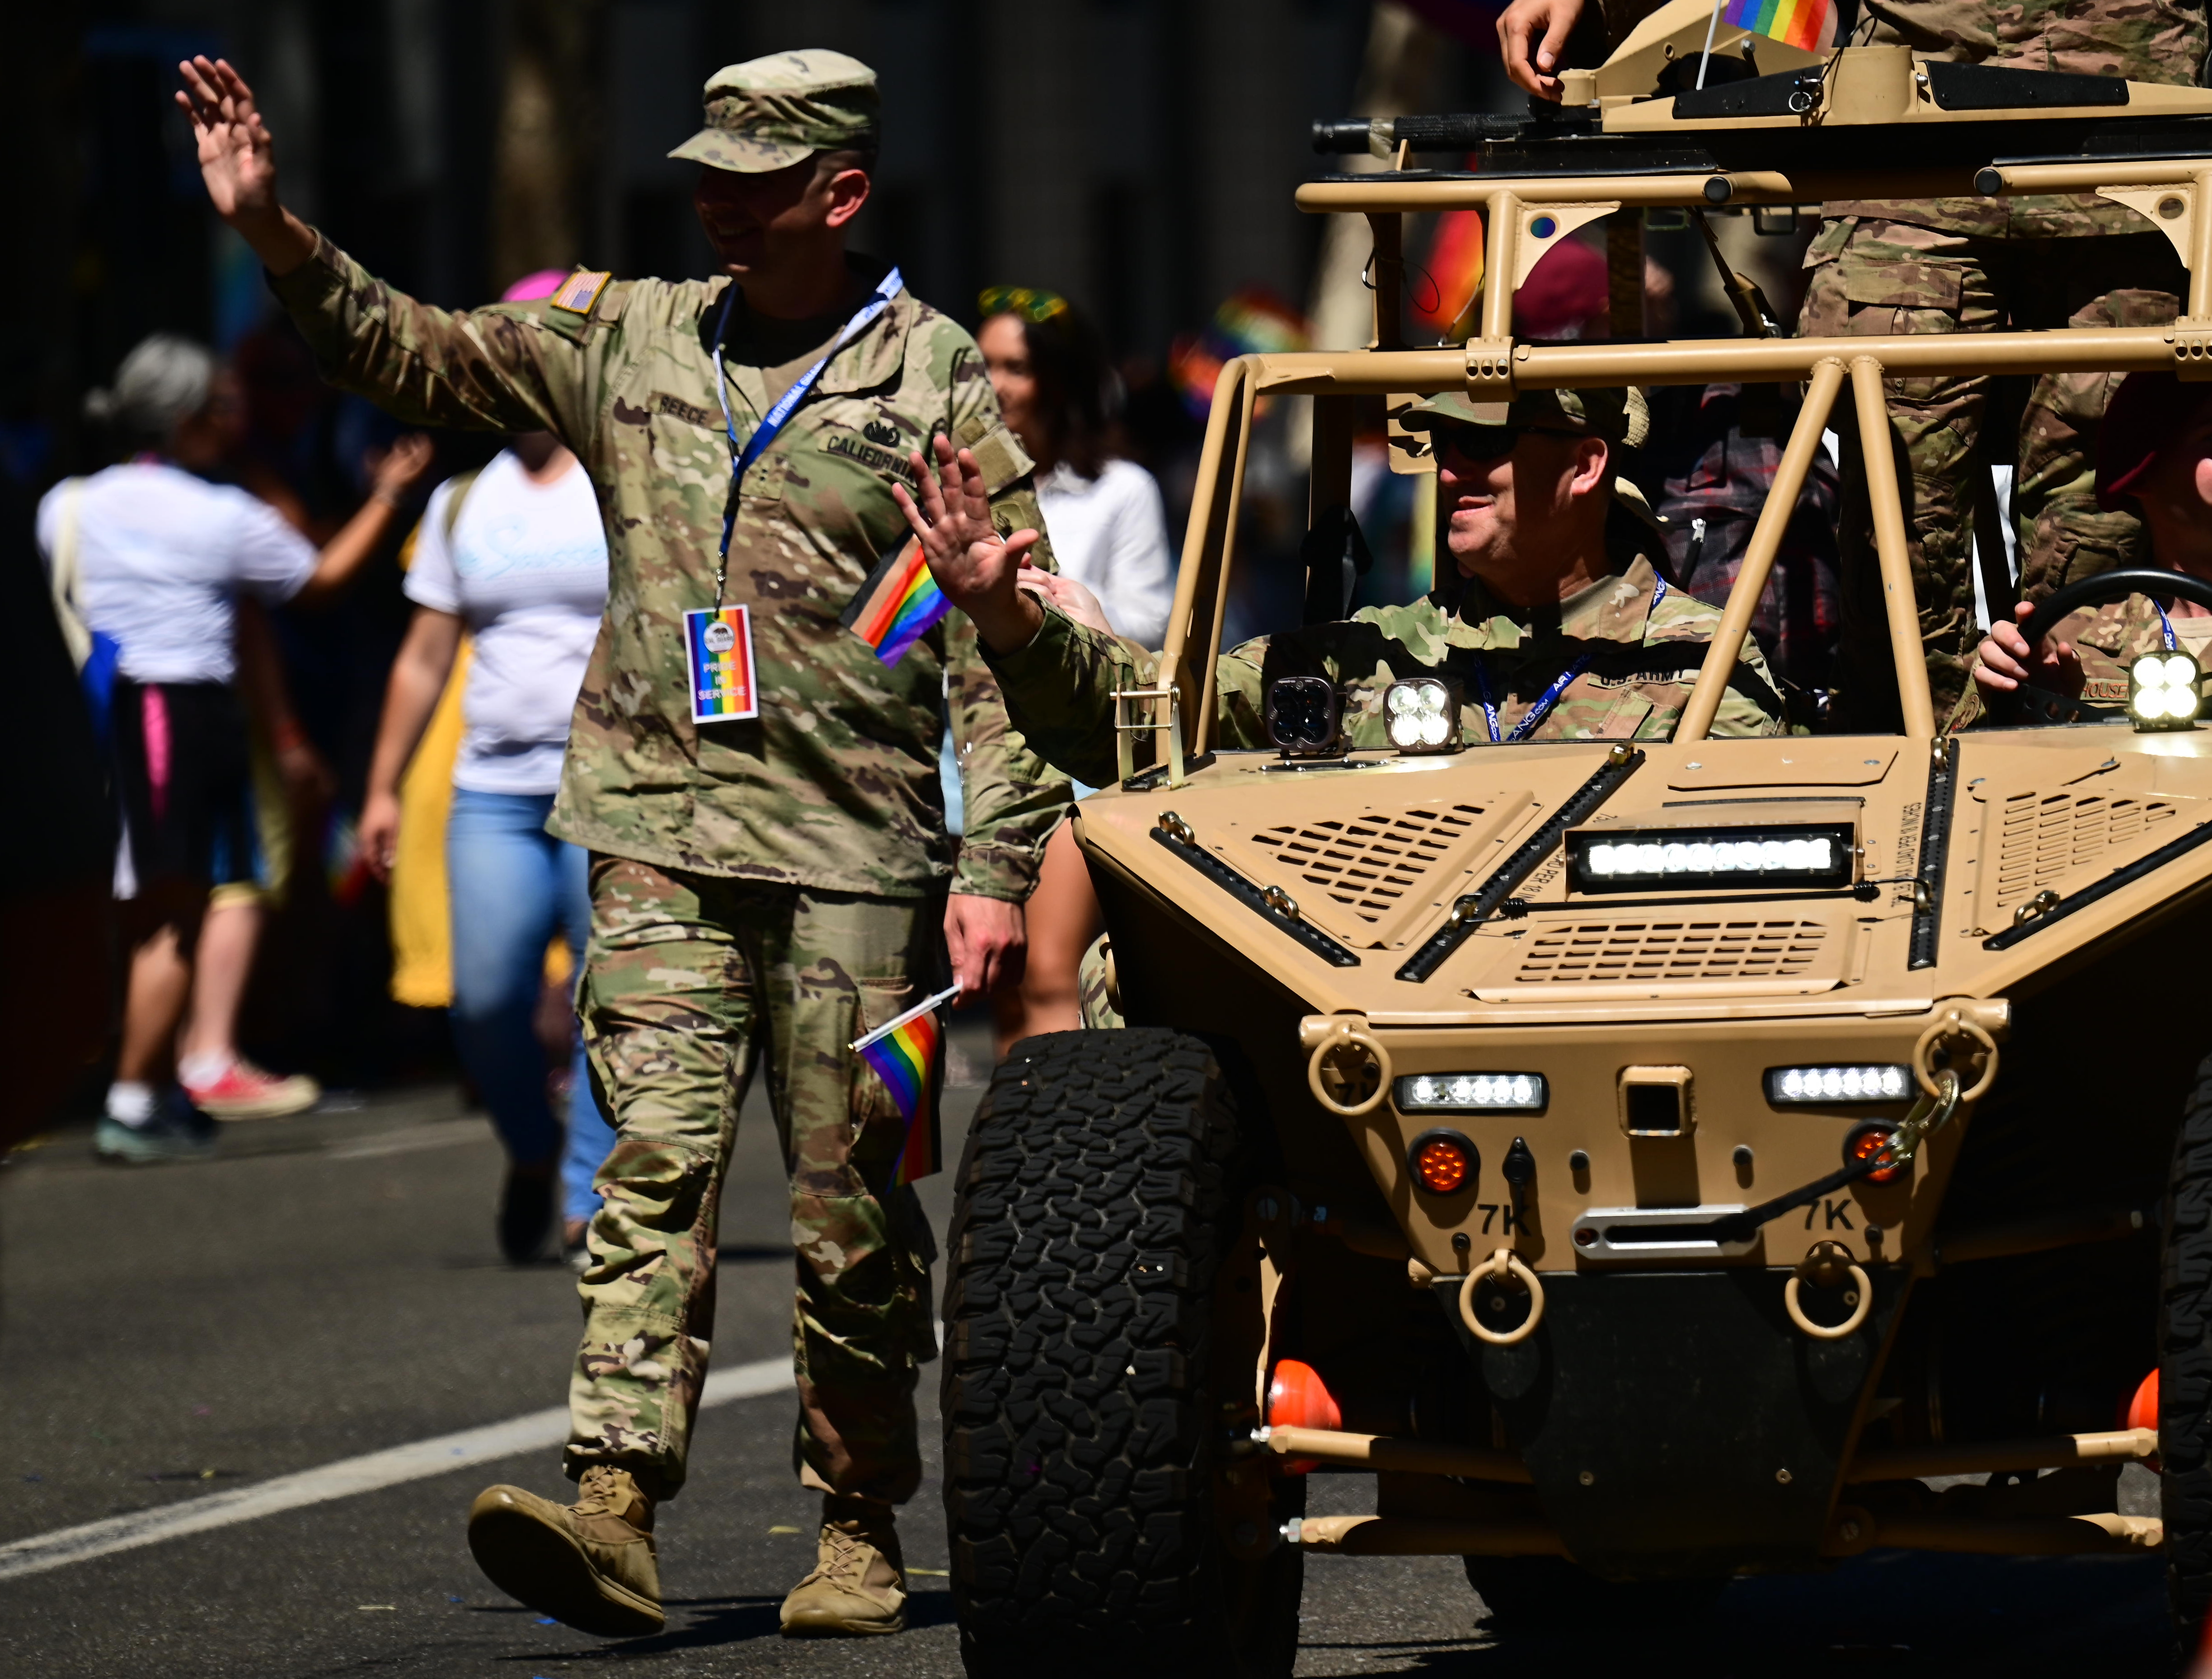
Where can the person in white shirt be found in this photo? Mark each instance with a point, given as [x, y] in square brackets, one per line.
[151, 558]
[518, 558]
[1108, 528]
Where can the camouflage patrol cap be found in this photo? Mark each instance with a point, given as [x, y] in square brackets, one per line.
[767, 113]
[1617, 413]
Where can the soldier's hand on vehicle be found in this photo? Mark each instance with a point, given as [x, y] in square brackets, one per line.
[974, 564]
[1531, 36]
[238, 162]
[988, 939]
[2001, 663]
[1070, 597]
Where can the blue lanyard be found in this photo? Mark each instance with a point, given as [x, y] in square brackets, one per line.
[742, 457]
[1550, 696]
[2164, 626]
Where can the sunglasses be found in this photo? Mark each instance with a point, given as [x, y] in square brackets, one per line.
[1032, 304]
[1489, 443]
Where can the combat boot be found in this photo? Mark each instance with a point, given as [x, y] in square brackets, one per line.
[859, 1584]
[590, 1564]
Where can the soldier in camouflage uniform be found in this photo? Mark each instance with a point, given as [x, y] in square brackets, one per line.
[769, 887]
[1970, 265]
[2155, 455]
[1992, 265]
[1570, 635]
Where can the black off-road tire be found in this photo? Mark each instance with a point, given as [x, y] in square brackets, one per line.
[2184, 1372]
[1101, 1190]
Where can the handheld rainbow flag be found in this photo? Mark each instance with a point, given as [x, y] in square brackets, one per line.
[898, 604]
[904, 1056]
[1802, 24]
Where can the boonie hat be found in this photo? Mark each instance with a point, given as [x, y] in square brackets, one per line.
[1615, 413]
[2147, 413]
[767, 113]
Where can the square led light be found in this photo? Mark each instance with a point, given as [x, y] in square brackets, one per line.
[2163, 692]
[1472, 1092]
[1304, 716]
[1421, 714]
[1812, 855]
[1827, 1085]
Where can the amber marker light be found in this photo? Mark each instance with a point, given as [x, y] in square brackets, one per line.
[1444, 1162]
[1867, 1141]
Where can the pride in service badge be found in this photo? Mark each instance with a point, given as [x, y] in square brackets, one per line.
[718, 642]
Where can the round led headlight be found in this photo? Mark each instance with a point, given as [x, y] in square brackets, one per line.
[1421, 714]
[2162, 691]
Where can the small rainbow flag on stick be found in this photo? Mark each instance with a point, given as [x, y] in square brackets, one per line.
[1802, 24]
[898, 604]
[904, 1056]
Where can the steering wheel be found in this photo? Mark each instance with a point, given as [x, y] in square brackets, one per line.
[2098, 590]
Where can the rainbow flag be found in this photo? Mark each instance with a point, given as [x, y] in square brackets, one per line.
[1253, 321]
[1802, 24]
[904, 1054]
[1453, 267]
[898, 604]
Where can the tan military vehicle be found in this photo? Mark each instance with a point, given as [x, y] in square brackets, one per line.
[1650, 1162]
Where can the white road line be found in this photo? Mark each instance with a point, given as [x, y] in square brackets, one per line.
[439, 1134]
[534, 1433]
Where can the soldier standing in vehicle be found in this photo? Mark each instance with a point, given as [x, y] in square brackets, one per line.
[1562, 629]
[764, 880]
[1973, 265]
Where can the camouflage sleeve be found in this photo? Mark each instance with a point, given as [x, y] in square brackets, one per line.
[1751, 706]
[511, 367]
[1059, 694]
[1014, 797]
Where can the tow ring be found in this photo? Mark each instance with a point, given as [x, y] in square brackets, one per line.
[1828, 1257]
[1954, 1025]
[1345, 1034]
[1502, 1265]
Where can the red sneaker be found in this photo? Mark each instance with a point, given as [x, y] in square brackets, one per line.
[245, 1092]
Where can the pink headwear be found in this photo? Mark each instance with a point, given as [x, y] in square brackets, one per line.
[531, 286]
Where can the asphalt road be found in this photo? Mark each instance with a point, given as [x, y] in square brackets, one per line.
[330, 1287]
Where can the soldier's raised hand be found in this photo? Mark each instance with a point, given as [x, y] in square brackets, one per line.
[974, 564]
[238, 162]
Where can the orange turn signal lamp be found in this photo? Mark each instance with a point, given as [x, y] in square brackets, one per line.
[1444, 1162]
[1868, 1142]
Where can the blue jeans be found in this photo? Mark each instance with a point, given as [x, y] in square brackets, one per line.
[513, 886]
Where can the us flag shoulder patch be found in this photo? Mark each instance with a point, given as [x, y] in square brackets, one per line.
[580, 291]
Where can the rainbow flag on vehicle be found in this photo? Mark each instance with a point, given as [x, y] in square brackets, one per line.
[898, 604]
[1802, 24]
[905, 1055]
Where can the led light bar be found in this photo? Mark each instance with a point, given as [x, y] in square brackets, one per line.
[1421, 714]
[2163, 692]
[1472, 1092]
[1812, 855]
[1884, 1081]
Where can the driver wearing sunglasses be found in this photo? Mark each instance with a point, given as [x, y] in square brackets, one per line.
[2153, 457]
[1554, 623]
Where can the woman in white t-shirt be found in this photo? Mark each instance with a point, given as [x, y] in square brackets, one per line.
[152, 558]
[1109, 528]
[517, 557]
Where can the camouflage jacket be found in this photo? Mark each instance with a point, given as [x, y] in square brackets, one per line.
[2143, 41]
[1643, 655]
[834, 786]
[2108, 639]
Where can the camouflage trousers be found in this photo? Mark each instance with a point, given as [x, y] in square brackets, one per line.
[1877, 278]
[687, 979]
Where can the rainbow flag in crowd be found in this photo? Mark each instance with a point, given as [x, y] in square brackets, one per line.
[904, 1054]
[1802, 24]
[1454, 268]
[1250, 322]
[898, 604]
